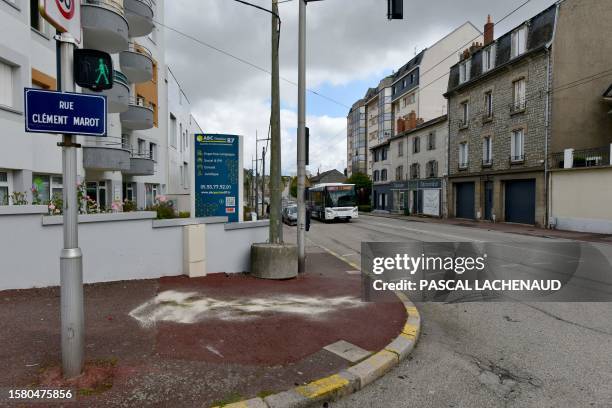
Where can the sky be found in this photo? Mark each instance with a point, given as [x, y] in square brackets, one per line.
[350, 46]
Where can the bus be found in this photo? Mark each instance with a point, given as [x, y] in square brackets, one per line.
[333, 201]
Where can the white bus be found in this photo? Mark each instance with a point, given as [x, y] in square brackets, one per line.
[333, 201]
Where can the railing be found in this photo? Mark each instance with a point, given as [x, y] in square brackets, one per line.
[517, 158]
[113, 5]
[120, 77]
[142, 102]
[487, 162]
[139, 49]
[108, 141]
[583, 158]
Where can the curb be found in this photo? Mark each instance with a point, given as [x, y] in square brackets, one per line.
[354, 378]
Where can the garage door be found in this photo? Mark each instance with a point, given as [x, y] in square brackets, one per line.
[465, 200]
[520, 201]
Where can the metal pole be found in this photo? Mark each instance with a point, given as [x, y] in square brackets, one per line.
[71, 258]
[276, 229]
[263, 182]
[301, 139]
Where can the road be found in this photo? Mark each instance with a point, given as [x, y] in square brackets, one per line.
[484, 354]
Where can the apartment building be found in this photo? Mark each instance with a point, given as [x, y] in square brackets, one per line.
[498, 107]
[415, 91]
[181, 128]
[357, 144]
[409, 170]
[136, 162]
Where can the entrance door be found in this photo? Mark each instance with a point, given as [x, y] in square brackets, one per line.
[465, 200]
[520, 201]
[488, 197]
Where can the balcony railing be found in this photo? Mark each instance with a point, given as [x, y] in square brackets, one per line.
[113, 5]
[582, 158]
[140, 49]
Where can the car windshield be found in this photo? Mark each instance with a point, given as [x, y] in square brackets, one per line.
[344, 197]
[291, 210]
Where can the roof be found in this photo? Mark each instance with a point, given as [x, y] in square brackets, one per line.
[409, 66]
[422, 126]
[320, 176]
[541, 29]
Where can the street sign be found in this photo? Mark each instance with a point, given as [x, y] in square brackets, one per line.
[217, 174]
[65, 113]
[64, 15]
[93, 69]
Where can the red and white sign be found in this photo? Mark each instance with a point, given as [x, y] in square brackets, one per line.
[64, 15]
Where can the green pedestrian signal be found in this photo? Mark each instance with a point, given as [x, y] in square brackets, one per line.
[93, 69]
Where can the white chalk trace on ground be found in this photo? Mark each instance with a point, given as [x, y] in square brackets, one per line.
[193, 307]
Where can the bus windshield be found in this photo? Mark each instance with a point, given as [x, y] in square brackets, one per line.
[341, 197]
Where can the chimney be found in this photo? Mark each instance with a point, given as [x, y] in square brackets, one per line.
[412, 121]
[489, 31]
[401, 125]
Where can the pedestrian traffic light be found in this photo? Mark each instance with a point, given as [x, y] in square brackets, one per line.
[93, 69]
[395, 9]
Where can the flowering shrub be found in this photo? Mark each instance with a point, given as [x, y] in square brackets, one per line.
[56, 205]
[163, 207]
[18, 198]
[129, 206]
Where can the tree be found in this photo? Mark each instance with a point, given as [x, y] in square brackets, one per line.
[363, 186]
[293, 187]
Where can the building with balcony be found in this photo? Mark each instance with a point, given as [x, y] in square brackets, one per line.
[518, 103]
[416, 90]
[498, 108]
[133, 162]
[409, 170]
[357, 143]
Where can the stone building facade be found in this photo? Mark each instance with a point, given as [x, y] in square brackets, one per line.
[409, 170]
[498, 125]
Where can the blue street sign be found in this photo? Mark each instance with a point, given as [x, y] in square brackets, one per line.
[217, 175]
[65, 113]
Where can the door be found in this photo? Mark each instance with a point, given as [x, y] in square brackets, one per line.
[488, 197]
[464, 193]
[520, 201]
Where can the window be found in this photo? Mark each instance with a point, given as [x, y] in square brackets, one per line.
[401, 200]
[383, 152]
[519, 95]
[383, 175]
[415, 170]
[4, 188]
[465, 114]
[153, 151]
[36, 20]
[376, 175]
[488, 102]
[185, 169]
[463, 155]
[517, 151]
[180, 135]
[400, 149]
[142, 147]
[464, 71]
[376, 156]
[432, 169]
[45, 187]
[416, 145]
[399, 173]
[125, 142]
[519, 42]
[431, 141]
[6, 85]
[411, 99]
[404, 101]
[487, 151]
[488, 58]
[172, 135]
[129, 191]
[151, 192]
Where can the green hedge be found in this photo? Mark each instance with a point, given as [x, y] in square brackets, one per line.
[365, 208]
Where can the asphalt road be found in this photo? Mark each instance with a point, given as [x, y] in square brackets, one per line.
[485, 354]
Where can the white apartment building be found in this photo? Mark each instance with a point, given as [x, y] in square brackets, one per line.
[137, 160]
[181, 127]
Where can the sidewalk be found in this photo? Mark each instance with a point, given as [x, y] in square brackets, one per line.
[504, 227]
[184, 342]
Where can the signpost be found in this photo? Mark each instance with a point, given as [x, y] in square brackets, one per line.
[64, 15]
[65, 113]
[218, 176]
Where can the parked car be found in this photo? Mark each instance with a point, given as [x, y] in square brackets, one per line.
[290, 215]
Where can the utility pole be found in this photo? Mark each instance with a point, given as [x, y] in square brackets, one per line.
[301, 140]
[71, 258]
[276, 229]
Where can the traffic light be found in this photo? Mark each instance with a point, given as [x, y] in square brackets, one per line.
[93, 69]
[395, 9]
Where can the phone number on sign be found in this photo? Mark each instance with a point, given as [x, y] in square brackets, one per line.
[42, 394]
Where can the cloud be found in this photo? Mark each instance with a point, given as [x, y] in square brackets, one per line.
[348, 40]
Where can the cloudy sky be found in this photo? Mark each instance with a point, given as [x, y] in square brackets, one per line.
[350, 47]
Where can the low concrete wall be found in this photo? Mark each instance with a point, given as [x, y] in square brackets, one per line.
[581, 199]
[115, 247]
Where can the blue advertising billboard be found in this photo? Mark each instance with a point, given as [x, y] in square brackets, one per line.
[217, 176]
[64, 113]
